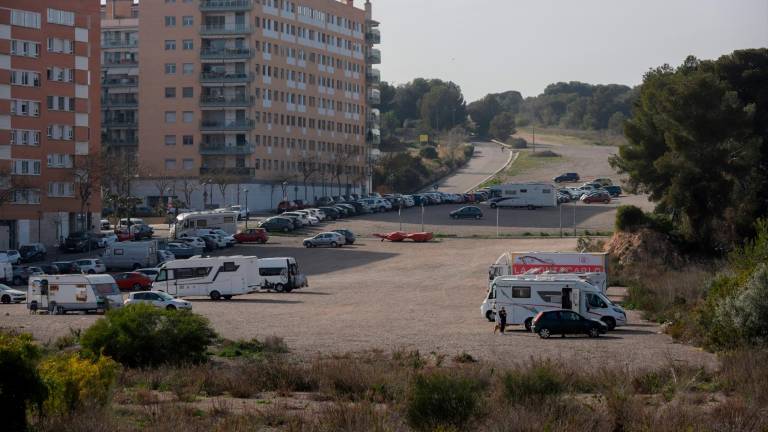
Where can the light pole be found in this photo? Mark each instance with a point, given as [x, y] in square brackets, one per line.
[561, 219]
[422, 216]
[533, 129]
[497, 221]
[574, 219]
[247, 211]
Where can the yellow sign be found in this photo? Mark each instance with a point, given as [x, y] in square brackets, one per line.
[424, 138]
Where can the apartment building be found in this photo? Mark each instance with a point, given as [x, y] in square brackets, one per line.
[49, 114]
[264, 98]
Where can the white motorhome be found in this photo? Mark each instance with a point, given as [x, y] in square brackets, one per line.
[594, 265]
[60, 294]
[188, 224]
[524, 195]
[130, 255]
[524, 296]
[217, 277]
[281, 274]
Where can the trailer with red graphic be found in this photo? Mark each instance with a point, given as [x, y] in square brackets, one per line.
[593, 265]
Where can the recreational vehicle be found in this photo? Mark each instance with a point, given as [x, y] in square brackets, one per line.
[281, 274]
[60, 294]
[518, 263]
[524, 296]
[130, 255]
[217, 278]
[523, 195]
[188, 224]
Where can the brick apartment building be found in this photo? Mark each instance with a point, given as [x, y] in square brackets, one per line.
[266, 96]
[49, 116]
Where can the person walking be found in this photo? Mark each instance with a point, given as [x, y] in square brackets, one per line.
[502, 319]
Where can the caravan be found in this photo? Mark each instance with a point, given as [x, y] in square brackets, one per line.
[523, 195]
[217, 278]
[189, 224]
[60, 294]
[281, 274]
[525, 296]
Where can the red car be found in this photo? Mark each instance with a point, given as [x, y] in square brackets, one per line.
[596, 197]
[253, 235]
[285, 206]
[132, 281]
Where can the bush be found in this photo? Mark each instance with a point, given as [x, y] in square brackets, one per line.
[439, 400]
[142, 335]
[74, 382]
[20, 384]
[535, 383]
[629, 218]
[746, 312]
[428, 152]
[518, 143]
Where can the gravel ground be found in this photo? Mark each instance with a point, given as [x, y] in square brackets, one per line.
[381, 295]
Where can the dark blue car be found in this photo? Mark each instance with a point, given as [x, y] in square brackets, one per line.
[613, 190]
[567, 177]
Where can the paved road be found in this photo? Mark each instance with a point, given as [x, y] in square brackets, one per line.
[488, 159]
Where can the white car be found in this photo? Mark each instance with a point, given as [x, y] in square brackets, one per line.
[13, 256]
[91, 265]
[10, 295]
[164, 255]
[319, 214]
[229, 238]
[219, 240]
[157, 299]
[408, 201]
[106, 239]
[310, 217]
[193, 241]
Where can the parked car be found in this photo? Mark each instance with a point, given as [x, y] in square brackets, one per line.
[13, 256]
[142, 231]
[32, 252]
[324, 201]
[349, 236]
[229, 239]
[49, 269]
[151, 273]
[567, 177]
[10, 295]
[21, 274]
[330, 212]
[164, 255]
[105, 225]
[277, 224]
[596, 196]
[157, 299]
[614, 191]
[564, 322]
[252, 235]
[285, 206]
[182, 250]
[468, 212]
[312, 219]
[132, 281]
[211, 244]
[67, 267]
[603, 181]
[332, 239]
[91, 265]
[81, 242]
[106, 239]
[193, 241]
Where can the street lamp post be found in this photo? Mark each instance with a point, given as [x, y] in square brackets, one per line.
[422, 216]
[247, 211]
[497, 222]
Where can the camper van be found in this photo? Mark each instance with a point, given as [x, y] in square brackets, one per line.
[130, 255]
[523, 297]
[593, 265]
[60, 294]
[523, 195]
[217, 278]
[281, 274]
[187, 224]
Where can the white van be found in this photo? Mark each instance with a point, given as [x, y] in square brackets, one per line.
[217, 277]
[281, 274]
[524, 297]
[60, 294]
[130, 255]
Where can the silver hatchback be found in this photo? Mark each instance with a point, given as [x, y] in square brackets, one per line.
[331, 239]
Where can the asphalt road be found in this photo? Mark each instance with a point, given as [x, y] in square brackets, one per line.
[488, 159]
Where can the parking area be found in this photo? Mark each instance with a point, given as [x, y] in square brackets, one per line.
[382, 295]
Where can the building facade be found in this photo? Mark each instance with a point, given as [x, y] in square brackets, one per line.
[268, 99]
[49, 116]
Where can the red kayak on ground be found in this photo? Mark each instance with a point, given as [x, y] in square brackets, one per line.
[398, 236]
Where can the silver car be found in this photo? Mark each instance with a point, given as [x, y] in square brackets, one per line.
[331, 239]
[157, 299]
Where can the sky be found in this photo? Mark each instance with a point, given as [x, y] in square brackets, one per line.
[490, 46]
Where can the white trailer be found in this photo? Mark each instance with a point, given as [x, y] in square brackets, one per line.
[60, 294]
[216, 277]
[523, 297]
[130, 255]
[524, 195]
[187, 224]
[281, 274]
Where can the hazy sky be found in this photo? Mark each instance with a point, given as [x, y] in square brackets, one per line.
[488, 46]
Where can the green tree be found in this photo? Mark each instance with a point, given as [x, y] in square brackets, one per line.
[20, 384]
[502, 126]
[443, 107]
[482, 112]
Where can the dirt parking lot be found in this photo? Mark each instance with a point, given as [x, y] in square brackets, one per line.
[381, 295]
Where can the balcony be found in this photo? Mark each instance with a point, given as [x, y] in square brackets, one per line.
[373, 57]
[120, 62]
[122, 82]
[225, 5]
[117, 43]
[373, 36]
[120, 123]
[119, 142]
[218, 78]
[374, 137]
[223, 101]
[240, 172]
[374, 96]
[226, 53]
[373, 76]
[221, 125]
[225, 150]
[119, 103]
[225, 29]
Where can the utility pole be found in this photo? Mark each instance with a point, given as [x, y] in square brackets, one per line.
[533, 129]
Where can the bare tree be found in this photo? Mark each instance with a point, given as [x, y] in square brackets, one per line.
[222, 179]
[88, 170]
[118, 182]
[339, 167]
[162, 182]
[9, 184]
[188, 187]
[307, 165]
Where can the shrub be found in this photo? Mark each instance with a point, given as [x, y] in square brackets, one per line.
[253, 348]
[428, 152]
[535, 383]
[20, 384]
[74, 382]
[747, 311]
[439, 400]
[518, 143]
[142, 335]
[629, 218]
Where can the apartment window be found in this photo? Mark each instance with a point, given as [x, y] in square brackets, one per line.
[61, 132]
[170, 1]
[60, 103]
[25, 167]
[60, 74]
[188, 44]
[25, 108]
[25, 78]
[170, 164]
[25, 196]
[170, 21]
[23, 18]
[187, 116]
[58, 160]
[56, 16]
[57, 45]
[188, 140]
[61, 189]
[187, 21]
[188, 164]
[170, 140]
[170, 92]
[170, 116]
[25, 48]
[188, 68]
[170, 68]
[187, 92]
[170, 45]
[25, 137]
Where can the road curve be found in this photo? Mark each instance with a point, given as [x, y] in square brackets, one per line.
[487, 160]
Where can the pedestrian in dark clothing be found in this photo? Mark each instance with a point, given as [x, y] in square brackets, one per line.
[502, 320]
